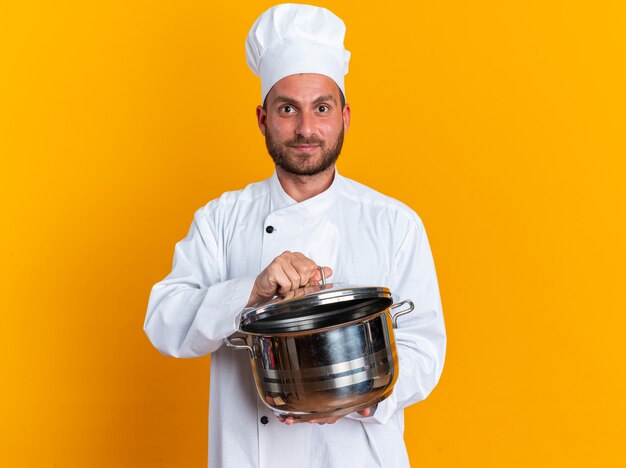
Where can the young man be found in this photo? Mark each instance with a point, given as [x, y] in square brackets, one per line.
[268, 239]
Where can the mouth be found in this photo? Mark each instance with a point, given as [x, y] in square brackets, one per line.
[305, 148]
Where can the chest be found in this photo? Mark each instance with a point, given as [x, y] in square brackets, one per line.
[358, 245]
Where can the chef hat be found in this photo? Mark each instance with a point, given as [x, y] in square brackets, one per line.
[293, 38]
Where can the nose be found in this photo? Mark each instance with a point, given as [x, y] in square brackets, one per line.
[306, 125]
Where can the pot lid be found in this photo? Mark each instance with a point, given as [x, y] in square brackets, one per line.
[315, 306]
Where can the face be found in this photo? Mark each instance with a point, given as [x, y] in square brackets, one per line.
[303, 123]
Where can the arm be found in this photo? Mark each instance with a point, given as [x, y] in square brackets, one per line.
[193, 309]
[421, 336]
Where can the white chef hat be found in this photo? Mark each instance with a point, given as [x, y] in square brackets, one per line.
[293, 38]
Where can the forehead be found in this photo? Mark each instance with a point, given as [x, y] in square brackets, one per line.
[304, 87]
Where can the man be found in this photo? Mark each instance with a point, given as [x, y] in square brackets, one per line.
[268, 239]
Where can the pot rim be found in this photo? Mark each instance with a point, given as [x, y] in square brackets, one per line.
[321, 329]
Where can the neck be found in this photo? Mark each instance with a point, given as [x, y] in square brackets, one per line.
[302, 188]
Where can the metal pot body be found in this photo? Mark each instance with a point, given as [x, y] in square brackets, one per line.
[327, 372]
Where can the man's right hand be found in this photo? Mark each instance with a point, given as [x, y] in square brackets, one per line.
[287, 272]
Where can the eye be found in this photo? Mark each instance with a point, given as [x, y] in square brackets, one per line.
[323, 108]
[287, 109]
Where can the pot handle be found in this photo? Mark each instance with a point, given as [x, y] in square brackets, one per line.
[397, 315]
[231, 343]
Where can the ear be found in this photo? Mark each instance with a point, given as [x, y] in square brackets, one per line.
[261, 117]
[346, 117]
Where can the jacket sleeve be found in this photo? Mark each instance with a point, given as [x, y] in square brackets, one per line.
[193, 309]
[420, 336]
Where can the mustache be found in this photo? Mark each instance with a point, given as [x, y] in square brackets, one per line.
[305, 141]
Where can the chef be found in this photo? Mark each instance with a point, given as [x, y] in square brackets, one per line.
[266, 239]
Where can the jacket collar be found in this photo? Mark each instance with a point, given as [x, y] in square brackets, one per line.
[280, 200]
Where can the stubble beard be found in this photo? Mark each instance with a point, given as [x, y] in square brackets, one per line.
[298, 164]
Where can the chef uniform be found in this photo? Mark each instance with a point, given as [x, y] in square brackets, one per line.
[365, 237]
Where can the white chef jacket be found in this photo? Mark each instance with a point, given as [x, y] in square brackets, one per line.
[367, 239]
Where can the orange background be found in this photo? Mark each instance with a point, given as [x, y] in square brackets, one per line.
[501, 123]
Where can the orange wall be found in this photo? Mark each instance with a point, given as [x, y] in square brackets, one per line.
[501, 123]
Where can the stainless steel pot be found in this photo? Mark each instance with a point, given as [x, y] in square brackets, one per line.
[324, 352]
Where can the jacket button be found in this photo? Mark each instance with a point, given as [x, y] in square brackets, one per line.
[264, 420]
[269, 229]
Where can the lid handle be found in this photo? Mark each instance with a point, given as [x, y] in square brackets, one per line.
[321, 269]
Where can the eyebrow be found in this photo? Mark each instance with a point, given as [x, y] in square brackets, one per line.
[326, 97]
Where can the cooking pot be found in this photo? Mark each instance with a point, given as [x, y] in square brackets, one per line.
[323, 350]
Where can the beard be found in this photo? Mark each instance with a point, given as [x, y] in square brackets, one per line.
[303, 164]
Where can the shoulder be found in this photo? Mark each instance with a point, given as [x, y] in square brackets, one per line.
[235, 201]
[356, 193]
